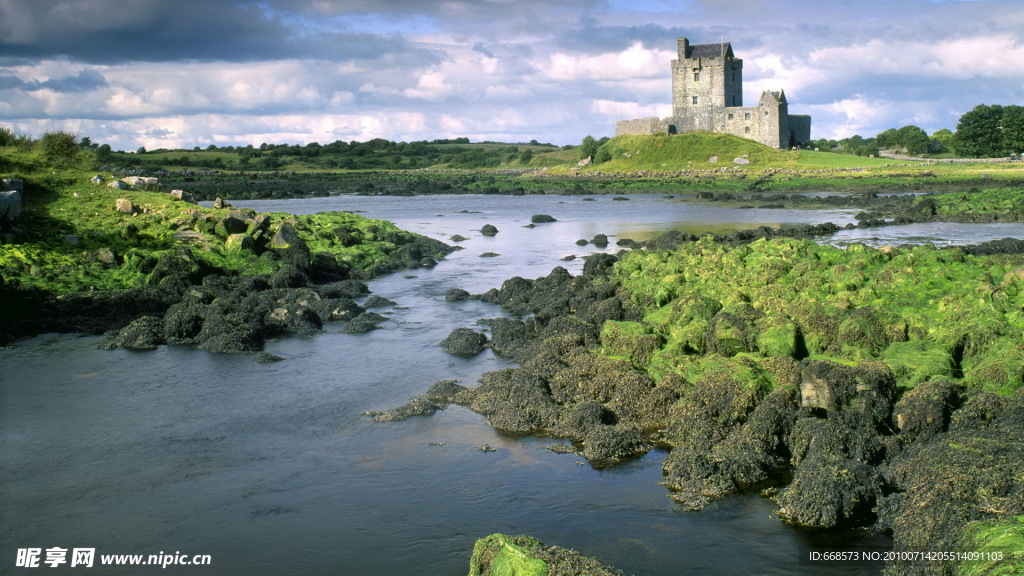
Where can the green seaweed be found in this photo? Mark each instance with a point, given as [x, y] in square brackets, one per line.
[501, 555]
[925, 312]
[993, 548]
[919, 361]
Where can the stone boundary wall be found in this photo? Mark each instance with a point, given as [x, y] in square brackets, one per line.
[887, 154]
[643, 126]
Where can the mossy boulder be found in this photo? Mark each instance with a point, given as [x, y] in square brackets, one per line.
[502, 555]
[240, 241]
[630, 340]
[962, 488]
[863, 393]
[465, 342]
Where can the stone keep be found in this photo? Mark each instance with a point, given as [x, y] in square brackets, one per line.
[707, 95]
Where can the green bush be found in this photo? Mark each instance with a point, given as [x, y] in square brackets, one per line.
[9, 137]
[60, 149]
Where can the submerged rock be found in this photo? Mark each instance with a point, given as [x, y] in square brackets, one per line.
[362, 323]
[456, 295]
[144, 333]
[418, 406]
[376, 301]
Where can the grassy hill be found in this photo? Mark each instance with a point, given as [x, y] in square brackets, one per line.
[694, 151]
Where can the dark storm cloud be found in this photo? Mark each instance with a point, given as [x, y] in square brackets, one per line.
[84, 81]
[110, 31]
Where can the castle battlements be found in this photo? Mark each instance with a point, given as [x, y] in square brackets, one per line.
[707, 95]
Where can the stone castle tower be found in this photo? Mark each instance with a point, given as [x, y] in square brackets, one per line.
[707, 95]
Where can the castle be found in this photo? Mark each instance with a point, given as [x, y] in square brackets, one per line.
[707, 95]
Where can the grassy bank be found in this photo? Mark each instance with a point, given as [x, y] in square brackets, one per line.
[77, 239]
[703, 161]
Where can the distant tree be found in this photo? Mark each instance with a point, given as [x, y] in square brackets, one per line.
[211, 147]
[1013, 129]
[945, 139]
[824, 144]
[913, 139]
[104, 153]
[603, 155]
[978, 133]
[7, 136]
[868, 149]
[85, 143]
[59, 148]
[887, 140]
[141, 150]
[588, 148]
[854, 143]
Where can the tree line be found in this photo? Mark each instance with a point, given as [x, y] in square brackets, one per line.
[987, 131]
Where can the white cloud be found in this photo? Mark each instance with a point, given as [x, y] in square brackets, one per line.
[615, 111]
[631, 63]
[960, 58]
[554, 71]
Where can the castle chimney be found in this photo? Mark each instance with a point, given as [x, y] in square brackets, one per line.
[684, 48]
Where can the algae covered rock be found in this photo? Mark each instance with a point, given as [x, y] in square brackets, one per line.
[962, 487]
[465, 342]
[417, 406]
[502, 555]
[144, 333]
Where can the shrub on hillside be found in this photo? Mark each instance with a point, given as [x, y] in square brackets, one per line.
[59, 148]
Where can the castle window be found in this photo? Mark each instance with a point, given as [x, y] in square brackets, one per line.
[746, 129]
[730, 116]
[694, 99]
[746, 116]
[696, 76]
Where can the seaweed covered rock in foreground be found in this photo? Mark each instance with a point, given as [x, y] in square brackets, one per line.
[961, 488]
[501, 555]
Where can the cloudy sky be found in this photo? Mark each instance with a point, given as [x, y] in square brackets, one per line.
[184, 73]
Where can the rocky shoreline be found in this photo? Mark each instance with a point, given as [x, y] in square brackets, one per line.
[849, 415]
[222, 278]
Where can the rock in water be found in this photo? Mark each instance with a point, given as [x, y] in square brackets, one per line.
[464, 341]
[501, 555]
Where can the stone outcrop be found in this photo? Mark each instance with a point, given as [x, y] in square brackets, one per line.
[11, 193]
[501, 555]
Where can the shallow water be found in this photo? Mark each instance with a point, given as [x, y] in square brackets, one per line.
[272, 468]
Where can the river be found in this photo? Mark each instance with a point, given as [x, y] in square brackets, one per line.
[273, 469]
